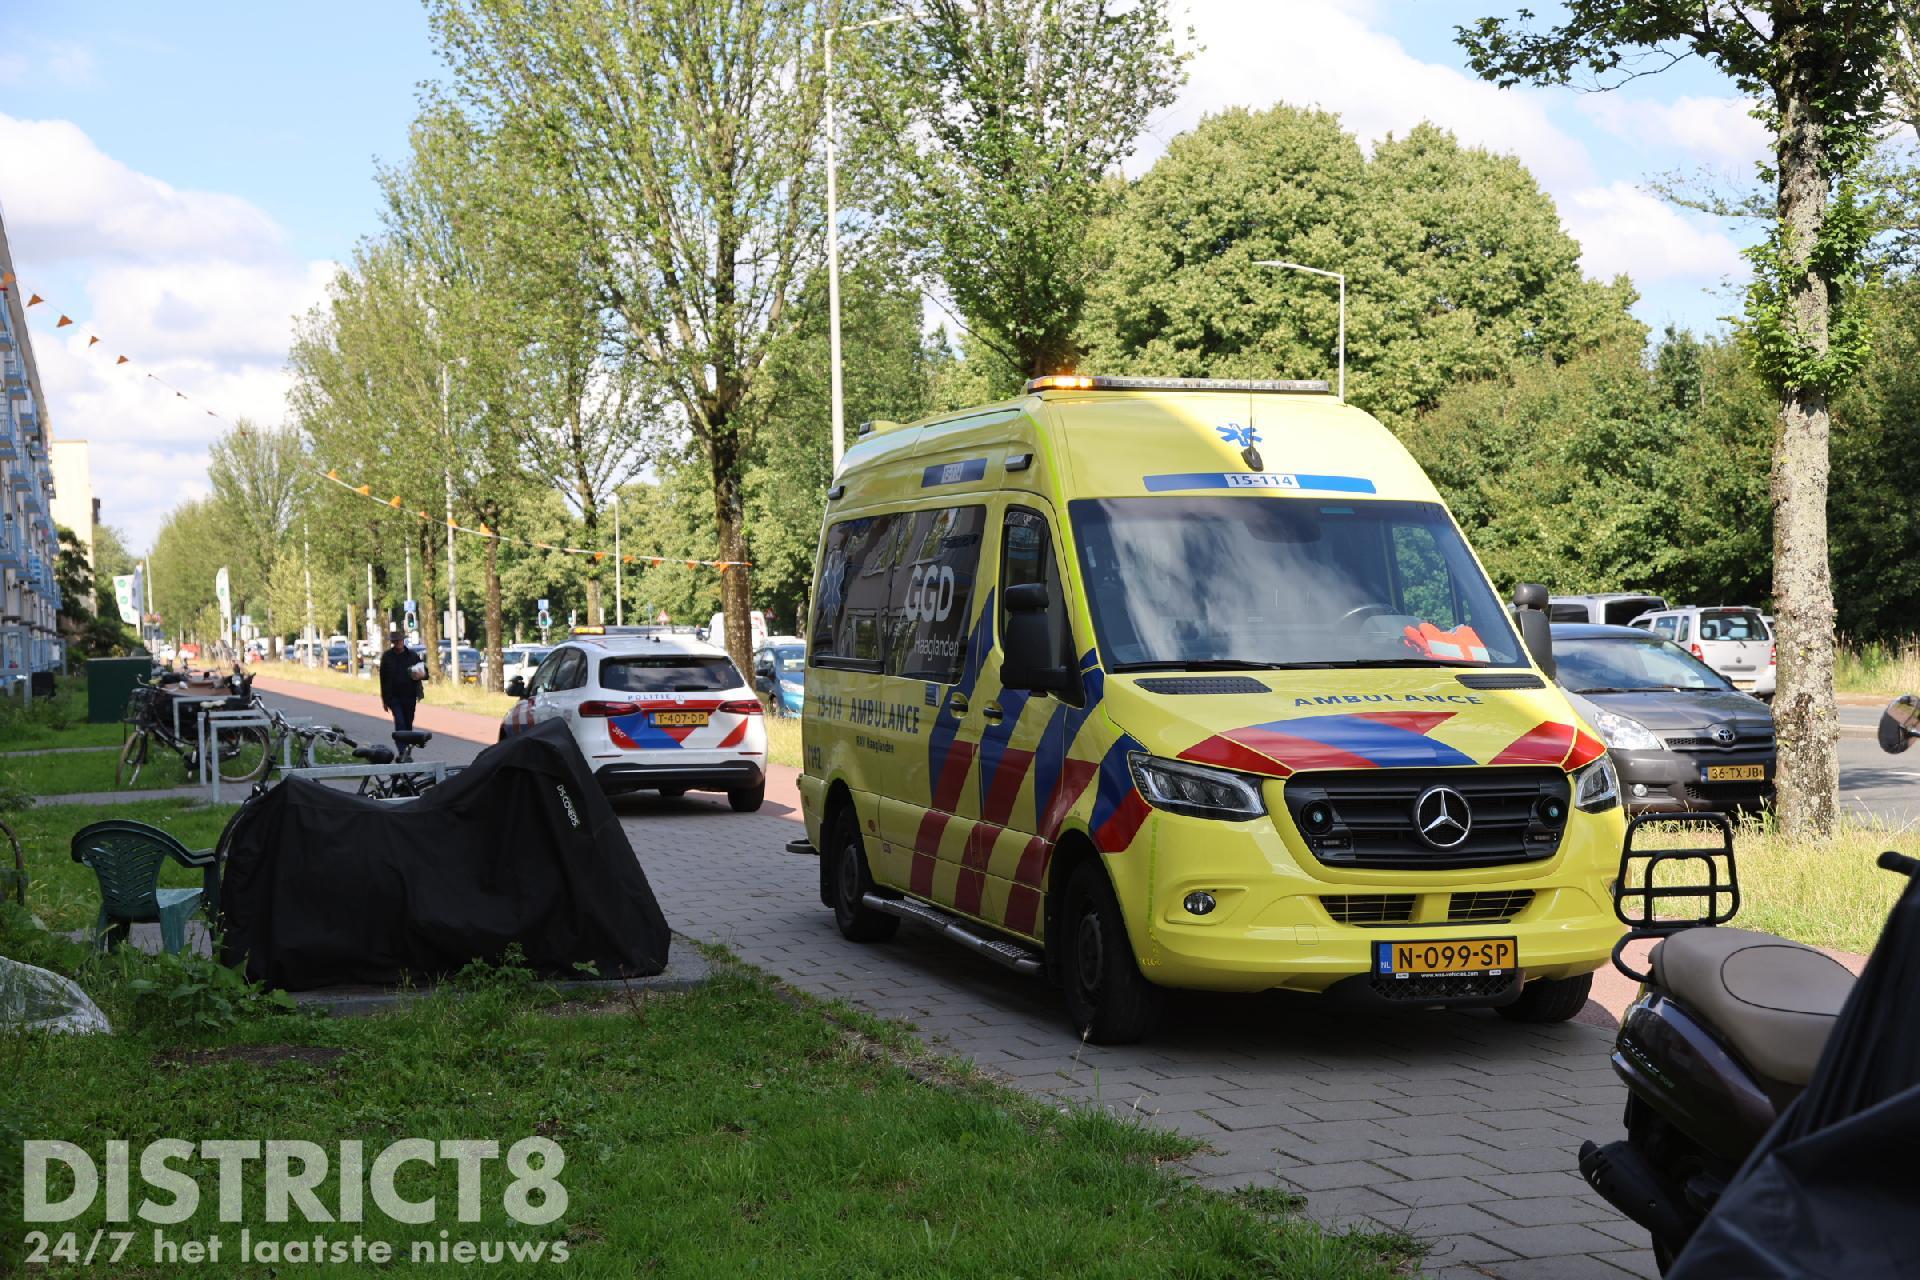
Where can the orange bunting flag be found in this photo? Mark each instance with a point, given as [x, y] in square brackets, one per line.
[6, 280]
[598, 556]
[423, 515]
[628, 560]
[693, 564]
[486, 531]
[364, 490]
[332, 474]
[395, 502]
[35, 300]
[92, 341]
[63, 322]
[121, 360]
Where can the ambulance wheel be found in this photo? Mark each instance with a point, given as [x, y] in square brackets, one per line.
[747, 799]
[850, 882]
[1107, 998]
[1549, 999]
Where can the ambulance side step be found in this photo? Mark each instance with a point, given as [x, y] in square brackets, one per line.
[1011, 954]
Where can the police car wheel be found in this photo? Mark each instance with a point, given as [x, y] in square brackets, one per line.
[747, 799]
[1107, 999]
[851, 881]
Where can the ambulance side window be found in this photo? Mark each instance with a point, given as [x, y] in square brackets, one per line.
[1026, 555]
[855, 580]
[932, 601]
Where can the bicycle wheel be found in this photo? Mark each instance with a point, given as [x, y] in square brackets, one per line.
[133, 755]
[245, 756]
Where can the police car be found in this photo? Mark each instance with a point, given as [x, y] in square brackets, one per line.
[651, 711]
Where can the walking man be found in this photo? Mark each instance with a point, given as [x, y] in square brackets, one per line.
[400, 676]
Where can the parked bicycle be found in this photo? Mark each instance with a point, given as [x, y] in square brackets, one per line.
[396, 786]
[154, 717]
[312, 744]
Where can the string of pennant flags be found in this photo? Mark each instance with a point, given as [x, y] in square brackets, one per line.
[396, 502]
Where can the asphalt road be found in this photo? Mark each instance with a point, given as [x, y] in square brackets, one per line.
[1873, 783]
[367, 729]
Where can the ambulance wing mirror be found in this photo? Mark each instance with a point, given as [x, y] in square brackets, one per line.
[1530, 610]
[1028, 657]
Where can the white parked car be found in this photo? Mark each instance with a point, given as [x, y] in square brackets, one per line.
[521, 660]
[652, 711]
[1734, 640]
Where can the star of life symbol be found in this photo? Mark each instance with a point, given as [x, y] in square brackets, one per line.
[1234, 433]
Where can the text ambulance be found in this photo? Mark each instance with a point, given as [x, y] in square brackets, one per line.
[1158, 683]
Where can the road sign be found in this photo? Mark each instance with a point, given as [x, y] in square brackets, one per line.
[542, 606]
[410, 607]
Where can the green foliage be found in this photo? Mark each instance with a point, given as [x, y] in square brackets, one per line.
[999, 124]
[187, 992]
[1456, 262]
[1874, 522]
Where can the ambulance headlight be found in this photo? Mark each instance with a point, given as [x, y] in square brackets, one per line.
[1596, 788]
[1195, 790]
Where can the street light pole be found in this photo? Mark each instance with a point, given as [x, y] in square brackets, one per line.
[1341, 391]
[833, 240]
[306, 567]
[453, 571]
[619, 582]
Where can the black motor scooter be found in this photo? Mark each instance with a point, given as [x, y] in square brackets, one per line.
[1726, 1032]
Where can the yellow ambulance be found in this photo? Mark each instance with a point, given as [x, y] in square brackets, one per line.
[1153, 683]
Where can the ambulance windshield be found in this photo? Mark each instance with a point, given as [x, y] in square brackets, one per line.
[1223, 583]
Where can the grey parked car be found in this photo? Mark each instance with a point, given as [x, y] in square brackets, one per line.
[1680, 735]
[1612, 607]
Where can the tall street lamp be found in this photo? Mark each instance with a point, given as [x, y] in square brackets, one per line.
[1331, 275]
[833, 239]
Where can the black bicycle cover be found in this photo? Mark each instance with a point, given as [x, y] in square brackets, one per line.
[325, 888]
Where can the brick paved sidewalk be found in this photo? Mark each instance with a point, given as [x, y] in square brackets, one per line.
[1460, 1127]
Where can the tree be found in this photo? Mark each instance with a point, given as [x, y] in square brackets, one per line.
[1000, 121]
[1820, 69]
[684, 136]
[1456, 261]
[257, 475]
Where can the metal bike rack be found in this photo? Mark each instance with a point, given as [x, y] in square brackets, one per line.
[209, 740]
[180, 700]
[322, 773]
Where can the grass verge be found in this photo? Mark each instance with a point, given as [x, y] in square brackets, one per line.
[439, 693]
[64, 894]
[72, 772]
[732, 1130]
[1825, 893]
[59, 721]
[1884, 670]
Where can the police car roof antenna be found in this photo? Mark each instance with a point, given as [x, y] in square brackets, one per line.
[1341, 391]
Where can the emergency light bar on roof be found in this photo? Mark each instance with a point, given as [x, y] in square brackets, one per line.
[1097, 382]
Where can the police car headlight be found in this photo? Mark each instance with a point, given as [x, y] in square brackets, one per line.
[1596, 788]
[1195, 790]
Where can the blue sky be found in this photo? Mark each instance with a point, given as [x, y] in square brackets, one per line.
[182, 180]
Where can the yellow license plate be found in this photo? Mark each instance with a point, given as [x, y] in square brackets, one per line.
[1745, 684]
[679, 718]
[1460, 956]
[1736, 773]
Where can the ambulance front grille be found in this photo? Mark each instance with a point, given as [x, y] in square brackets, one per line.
[1373, 816]
[1369, 908]
[1487, 905]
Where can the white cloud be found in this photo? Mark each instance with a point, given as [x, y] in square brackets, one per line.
[68, 200]
[196, 288]
[1719, 131]
[1318, 53]
[1622, 228]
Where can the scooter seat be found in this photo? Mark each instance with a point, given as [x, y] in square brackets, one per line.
[1773, 1000]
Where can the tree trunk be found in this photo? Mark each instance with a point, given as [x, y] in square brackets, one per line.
[429, 603]
[729, 521]
[590, 517]
[1808, 769]
[491, 677]
[353, 639]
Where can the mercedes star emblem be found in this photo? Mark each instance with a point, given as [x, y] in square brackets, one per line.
[1442, 817]
[1722, 734]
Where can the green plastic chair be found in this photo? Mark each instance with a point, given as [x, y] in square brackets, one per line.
[126, 858]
